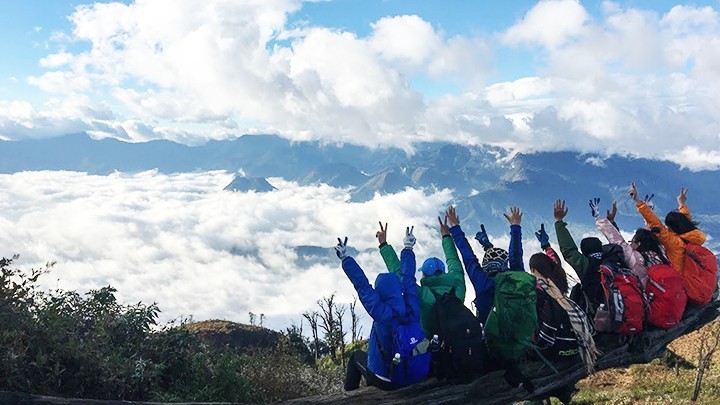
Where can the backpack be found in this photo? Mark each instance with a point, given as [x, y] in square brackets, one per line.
[512, 321]
[555, 337]
[580, 297]
[666, 296]
[588, 293]
[623, 311]
[461, 344]
[700, 273]
[414, 359]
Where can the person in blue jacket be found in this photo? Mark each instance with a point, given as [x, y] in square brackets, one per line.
[391, 300]
[495, 259]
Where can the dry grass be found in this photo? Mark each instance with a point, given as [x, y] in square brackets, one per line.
[656, 382]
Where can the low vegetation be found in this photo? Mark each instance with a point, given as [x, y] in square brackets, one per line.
[66, 344]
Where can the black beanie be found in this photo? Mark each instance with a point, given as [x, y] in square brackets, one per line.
[590, 245]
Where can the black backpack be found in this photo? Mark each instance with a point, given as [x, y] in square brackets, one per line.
[555, 333]
[460, 350]
[589, 293]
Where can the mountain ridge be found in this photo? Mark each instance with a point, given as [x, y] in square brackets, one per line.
[484, 179]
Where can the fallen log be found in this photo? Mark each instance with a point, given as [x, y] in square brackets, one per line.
[491, 388]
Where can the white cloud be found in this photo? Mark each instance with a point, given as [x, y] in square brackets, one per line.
[526, 88]
[407, 39]
[56, 60]
[694, 158]
[551, 23]
[196, 250]
[627, 81]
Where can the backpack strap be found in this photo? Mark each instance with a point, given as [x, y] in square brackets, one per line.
[377, 341]
[544, 359]
[437, 295]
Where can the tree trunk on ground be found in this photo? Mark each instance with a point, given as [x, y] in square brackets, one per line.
[491, 388]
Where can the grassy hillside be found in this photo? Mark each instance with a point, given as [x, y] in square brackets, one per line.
[663, 381]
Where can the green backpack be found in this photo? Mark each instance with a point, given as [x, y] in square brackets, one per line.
[513, 319]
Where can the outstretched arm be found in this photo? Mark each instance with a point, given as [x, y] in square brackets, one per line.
[454, 266]
[387, 252]
[651, 219]
[483, 285]
[369, 298]
[544, 240]
[605, 225]
[515, 251]
[472, 265]
[579, 262]
[408, 266]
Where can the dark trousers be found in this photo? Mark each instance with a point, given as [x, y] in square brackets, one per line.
[357, 368]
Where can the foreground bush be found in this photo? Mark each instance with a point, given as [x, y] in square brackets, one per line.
[62, 343]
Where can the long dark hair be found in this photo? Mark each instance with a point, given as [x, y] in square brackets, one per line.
[679, 223]
[548, 268]
[647, 241]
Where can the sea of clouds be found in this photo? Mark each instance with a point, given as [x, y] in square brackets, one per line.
[201, 252]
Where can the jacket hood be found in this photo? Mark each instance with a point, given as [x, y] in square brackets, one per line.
[389, 289]
[695, 236]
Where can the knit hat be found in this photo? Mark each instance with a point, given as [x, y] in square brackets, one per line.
[590, 245]
[432, 266]
[495, 260]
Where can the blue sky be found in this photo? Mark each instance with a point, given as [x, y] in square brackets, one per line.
[589, 76]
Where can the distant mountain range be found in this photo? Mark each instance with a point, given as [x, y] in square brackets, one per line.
[485, 180]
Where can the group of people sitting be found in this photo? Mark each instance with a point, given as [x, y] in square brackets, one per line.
[624, 287]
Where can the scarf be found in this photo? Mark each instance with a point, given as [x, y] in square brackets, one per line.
[578, 321]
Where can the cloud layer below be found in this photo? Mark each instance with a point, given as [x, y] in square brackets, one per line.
[180, 241]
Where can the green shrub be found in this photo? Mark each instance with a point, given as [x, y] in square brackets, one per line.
[65, 344]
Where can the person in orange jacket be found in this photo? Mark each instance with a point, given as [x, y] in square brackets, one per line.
[679, 228]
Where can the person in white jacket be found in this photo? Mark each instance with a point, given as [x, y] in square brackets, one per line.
[644, 249]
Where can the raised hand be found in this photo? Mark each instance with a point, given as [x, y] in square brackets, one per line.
[483, 238]
[515, 216]
[595, 207]
[452, 216]
[444, 228]
[612, 212]
[381, 235]
[409, 240]
[341, 248]
[543, 237]
[649, 202]
[682, 197]
[559, 210]
[633, 192]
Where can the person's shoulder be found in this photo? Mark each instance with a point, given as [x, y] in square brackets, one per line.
[695, 236]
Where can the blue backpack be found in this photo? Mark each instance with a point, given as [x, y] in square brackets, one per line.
[413, 363]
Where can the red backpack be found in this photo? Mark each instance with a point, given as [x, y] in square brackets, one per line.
[624, 301]
[700, 273]
[666, 296]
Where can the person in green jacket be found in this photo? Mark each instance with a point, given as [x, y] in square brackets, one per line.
[435, 279]
[585, 261]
